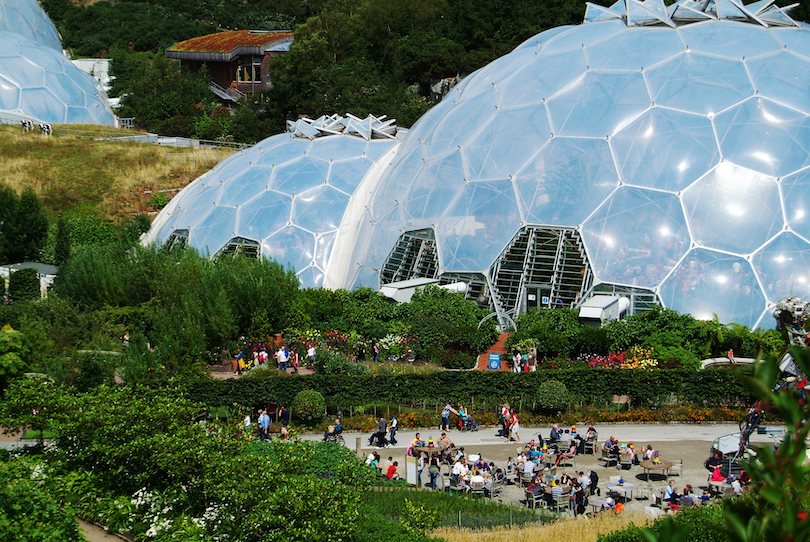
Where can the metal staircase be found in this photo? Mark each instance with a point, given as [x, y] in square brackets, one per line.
[549, 262]
[227, 94]
[414, 256]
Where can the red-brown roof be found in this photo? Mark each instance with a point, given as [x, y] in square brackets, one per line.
[224, 42]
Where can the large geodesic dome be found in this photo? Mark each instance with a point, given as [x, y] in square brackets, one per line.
[26, 18]
[284, 198]
[659, 152]
[37, 81]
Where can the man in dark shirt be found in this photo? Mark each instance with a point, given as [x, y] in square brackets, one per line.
[284, 416]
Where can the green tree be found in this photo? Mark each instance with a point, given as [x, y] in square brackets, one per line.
[11, 364]
[23, 285]
[61, 251]
[23, 226]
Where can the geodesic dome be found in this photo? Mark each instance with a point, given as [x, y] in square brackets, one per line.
[284, 198]
[40, 83]
[658, 151]
[28, 19]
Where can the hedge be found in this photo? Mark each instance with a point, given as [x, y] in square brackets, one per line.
[712, 387]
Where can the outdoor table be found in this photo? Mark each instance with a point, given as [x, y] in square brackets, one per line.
[596, 503]
[623, 489]
[427, 450]
[648, 465]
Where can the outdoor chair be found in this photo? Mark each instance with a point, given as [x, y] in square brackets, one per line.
[496, 488]
[532, 500]
[477, 488]
[607, 458]
[560, 504]
[525, 479]
[625, 462]
[677, 467]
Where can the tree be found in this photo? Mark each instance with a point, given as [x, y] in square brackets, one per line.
[61, 251]
[11, 364]
[23, 285]
[23, 226]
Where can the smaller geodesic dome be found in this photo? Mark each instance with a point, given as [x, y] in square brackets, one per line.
[284, 198]
[40, 83]
[27, 18]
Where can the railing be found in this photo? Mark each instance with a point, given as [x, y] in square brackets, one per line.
[230, 94]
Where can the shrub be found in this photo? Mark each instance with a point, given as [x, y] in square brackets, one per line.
[552, 395]
[24, 284]
[309, 406]
[459, 360]
[329, 362]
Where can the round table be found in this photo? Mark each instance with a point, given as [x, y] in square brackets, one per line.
[623, 489]
[648, 465]
[596, 503]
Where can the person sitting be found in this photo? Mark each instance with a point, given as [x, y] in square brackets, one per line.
[556, 493]
[671, 494]
[590, 434]
[379, 435]
[393, 471]
[706, 497]
[649, 453]
[330, 431]
[443, 441]
[572, 451]
[536, 486]
[714, 462]
[584, 481]
[688, 496]
[555, 435]
[460, 471]
[528, 467]
[611, 446]
[629, 450]
[459, 455]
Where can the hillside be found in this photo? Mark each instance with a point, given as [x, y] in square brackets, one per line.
[103, 178]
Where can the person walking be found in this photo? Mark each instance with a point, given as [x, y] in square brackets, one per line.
[284, 416]
[448, 408]
[393, 425]
[514, 428]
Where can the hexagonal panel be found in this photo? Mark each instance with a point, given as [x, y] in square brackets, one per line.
[706, 283]
[328, 148]
[783, 267]
[300, 175]
[25, 71]
[531, 83]
[764, 136]
[796, 195]
[319, 209]
[397, 182]
[796, 40]
[503, 145]
[636, 49]
[432, 190]
[457, 126]
[265, 214]
[666, 149]
[290, 246]
[783, 77]
[699, 83]
[217, 228]
[323, 248]
[733, 209]
[310, 277]
[729, 38]
[566, 181]
[477, 226]
[599, 104]
[9, 94]
[483, 79]
[42, 104]
[243, 186]
[577, 39]
[345, 175]
[280, 151]
[636, 237]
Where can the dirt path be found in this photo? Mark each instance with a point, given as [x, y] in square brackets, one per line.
[94, 533]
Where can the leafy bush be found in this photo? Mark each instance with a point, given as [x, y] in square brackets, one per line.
[309, 406]
[459, 360]
[552, 395]
[24, 285]
[329, 362]
[704, 523]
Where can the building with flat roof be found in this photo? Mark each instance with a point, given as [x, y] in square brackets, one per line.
[237, 61]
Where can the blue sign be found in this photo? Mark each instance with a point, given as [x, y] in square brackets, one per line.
[495, 362]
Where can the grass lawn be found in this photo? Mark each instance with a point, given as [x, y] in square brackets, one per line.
[103, 178]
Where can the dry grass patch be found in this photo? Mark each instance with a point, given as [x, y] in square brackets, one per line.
[105, 178]
[580, 529]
